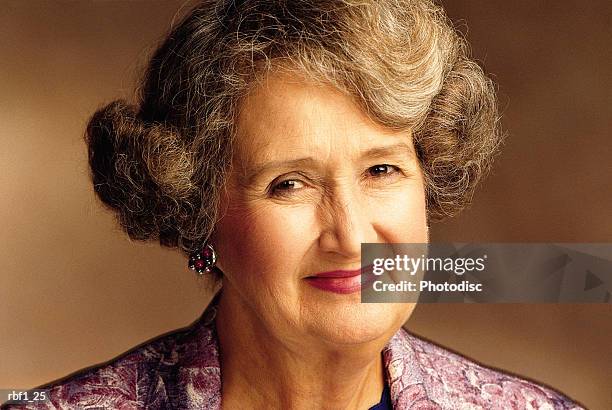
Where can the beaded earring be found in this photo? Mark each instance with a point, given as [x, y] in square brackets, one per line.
[203, 261]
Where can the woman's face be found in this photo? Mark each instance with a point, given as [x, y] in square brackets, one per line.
[312, 179]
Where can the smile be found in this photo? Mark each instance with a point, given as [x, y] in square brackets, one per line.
[339, 281]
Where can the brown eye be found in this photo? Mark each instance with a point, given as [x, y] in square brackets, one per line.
[287, 186]
[382, 170]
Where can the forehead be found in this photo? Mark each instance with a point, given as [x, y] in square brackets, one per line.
[289, 114]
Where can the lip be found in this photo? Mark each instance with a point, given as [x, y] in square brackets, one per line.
[339, 281]
[343, 273]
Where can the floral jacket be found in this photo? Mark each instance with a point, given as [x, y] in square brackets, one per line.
[181, 371]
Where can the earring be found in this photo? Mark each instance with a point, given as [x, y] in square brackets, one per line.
[204, 260]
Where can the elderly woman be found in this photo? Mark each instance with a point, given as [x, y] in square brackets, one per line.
[270, 140]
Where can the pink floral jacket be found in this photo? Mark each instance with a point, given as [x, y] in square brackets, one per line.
[181, 371]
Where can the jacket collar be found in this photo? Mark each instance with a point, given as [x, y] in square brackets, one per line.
[201, 369]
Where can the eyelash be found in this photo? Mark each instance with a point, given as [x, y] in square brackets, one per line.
[275, 189]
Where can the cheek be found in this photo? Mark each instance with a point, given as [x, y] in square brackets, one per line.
[402, 218]
[264, 236]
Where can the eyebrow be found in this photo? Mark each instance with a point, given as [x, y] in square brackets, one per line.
[397, 150]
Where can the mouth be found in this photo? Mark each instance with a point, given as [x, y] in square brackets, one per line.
[343, 273]
[339, 281]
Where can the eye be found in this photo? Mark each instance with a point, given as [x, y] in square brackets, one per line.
[286, 185]
[383, 170]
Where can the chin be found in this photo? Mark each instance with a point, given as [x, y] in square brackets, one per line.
[357, 323]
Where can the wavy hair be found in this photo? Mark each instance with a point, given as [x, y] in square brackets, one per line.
[161, 162]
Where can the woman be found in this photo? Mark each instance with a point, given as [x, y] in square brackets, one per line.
[270, 140]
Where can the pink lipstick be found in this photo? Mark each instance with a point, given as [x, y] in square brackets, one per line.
[339, 281]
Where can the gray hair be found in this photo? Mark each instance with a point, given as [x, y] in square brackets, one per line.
[160, 163]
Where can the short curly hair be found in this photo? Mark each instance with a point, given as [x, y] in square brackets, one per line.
[160, 163]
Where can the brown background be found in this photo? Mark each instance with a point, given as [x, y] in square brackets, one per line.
[74, 291]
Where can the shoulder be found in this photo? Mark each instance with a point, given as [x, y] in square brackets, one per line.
[126, 382]
[452, 380]
[152, 375]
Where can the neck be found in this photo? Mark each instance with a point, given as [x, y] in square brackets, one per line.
[260, 370]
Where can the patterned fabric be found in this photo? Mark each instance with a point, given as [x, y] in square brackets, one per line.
[181, 371]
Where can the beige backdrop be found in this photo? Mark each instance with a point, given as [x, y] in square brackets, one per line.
[74, 291]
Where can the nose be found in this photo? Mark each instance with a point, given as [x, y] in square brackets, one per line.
[346, 224]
